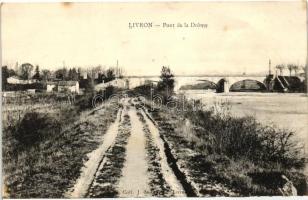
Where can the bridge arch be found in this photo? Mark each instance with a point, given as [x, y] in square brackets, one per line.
[247, 85]
[206, 84]
[198, 84]
[227, 84]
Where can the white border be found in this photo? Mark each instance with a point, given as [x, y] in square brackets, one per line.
[144, 1]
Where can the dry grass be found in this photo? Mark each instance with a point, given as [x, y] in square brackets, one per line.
[221, 154]
[48, 168]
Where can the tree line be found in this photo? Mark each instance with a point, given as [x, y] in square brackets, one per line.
[27, 71]
[291, 68]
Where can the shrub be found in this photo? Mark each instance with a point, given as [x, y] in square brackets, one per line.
[34, 127]
[245, 138]
[143, 90]
[22, 87]
[85, 101]
[109, 92]
[165, 86]
[236, 151]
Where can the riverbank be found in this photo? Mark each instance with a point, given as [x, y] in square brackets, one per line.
[220, 155]
[281, 110]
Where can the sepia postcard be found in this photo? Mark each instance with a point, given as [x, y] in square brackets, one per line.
[154, 99]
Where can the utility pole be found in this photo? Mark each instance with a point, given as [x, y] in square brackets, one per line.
[16, 68]
[117, 69]
[269, 67]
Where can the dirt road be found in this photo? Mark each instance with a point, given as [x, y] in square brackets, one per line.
[130, 162]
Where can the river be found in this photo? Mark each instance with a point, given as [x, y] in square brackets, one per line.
[282, 110]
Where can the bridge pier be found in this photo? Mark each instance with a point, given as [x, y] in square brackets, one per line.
[226, 85]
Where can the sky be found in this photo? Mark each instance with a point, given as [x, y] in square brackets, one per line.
[239, 37]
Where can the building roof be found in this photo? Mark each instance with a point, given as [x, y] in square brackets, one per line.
[16, 77]
[67, 83]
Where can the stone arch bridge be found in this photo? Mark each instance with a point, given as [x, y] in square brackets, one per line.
[222, 82]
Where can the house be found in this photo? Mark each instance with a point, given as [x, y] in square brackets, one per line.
[51, 86]
[68, 86]
[18, 80]
[14, 80]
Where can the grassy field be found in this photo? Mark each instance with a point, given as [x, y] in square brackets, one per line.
[44, 149]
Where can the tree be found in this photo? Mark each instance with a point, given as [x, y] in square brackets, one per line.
[296, 68]
[305, 75]
[305, 69]
[69, 76]
[5, 75]
[97, 69]
[65, 73]
[46, 74]
[118, 72]
[121, 73]
[11, 72]
[37, 74]
[101, 77]
[89, 87]
[280, 67]
[166, 79]
[290, 68]
[166, 84]
[79, 73]
[293, 67]
[26, 70]
[110, 75]
[61, 74]
[74, 75]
